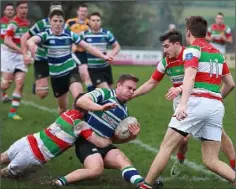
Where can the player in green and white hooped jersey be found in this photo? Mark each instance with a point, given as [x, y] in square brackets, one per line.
[34, 150]
[41, 67]
[104, 123]
[8, 15]
[173, 66]
[58, 44]
[201, 110]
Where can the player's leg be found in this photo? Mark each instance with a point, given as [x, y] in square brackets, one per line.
[17, 94]
[210, 152]
[4, 158]
[75, 85]
[62, 103]
[6, 81]
[41, 74]
[89, 155]
[180, 157]
[106, 79]
[228, 148]
[83, 70]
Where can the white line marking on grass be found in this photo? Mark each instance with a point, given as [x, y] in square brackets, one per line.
[186, 178]
[188, 163]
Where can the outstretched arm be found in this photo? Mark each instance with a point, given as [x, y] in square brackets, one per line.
[32, 44]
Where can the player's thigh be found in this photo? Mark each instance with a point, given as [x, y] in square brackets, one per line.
[19, 63]
[75, 85]
[16, 147]
[210, 150]
[60, 85]
[212, 128]
[41, 69]
[116, 159]
[95, 162]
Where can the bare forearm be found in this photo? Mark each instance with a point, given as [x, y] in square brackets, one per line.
[115, 51]
[99, 141]
[225, 90]
[23, 41]
[145, 88]
[8, 42]
[88, 104]
[119, 141]
[94, 51]
[188, 84]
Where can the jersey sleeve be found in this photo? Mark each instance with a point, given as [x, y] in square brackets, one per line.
[11, 29]
[225, 70]
[228, 32]
[159, 73]
[100, 94]
[43, 36]
[75, 38]
[37, 27]
[191, 56]
[111, 38]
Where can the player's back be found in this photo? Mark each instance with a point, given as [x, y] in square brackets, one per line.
[211, 67]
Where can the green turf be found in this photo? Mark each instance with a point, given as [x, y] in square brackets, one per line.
[152, 110]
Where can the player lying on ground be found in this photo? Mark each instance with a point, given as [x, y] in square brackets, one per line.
[173, 66]
[33, 151]
[96, 159]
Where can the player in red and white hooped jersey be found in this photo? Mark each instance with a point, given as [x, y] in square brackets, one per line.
[173, 66]
[201, 111]
[9, 12]
[219, 34]
[13, 67]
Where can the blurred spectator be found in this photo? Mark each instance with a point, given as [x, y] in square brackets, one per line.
[172, 27]
[219, 34]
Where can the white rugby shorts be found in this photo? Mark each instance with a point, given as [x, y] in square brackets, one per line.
[204, 119]
[21, 157]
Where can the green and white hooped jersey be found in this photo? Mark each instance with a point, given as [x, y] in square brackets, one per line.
[59, 52]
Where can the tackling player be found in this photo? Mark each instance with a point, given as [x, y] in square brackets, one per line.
[58, 42]
[13, 67]
[8, 15]
[200, 111]
[33, 151]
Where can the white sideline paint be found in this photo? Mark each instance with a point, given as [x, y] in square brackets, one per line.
[188, 163]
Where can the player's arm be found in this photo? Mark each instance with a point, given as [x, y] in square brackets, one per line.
[11, 29]
[228, 81]
[228, 36]
[156, 77]
[208, 35]
[32, 44]
[115, 49]
[24, 47]
[90, 101]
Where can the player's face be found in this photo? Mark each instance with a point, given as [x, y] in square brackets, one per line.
[125, 90]
[219, 19]
[95, 22]
[56, 23]
[170, 49]
[22, 10]
[9, 11]
[82, 13]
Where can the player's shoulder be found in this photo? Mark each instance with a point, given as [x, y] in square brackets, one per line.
[71, 21]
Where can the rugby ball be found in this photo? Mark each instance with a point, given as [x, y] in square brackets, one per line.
[122, 131]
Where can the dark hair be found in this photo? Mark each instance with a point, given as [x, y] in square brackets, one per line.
[221, 14]
[57, 12]
[83, 6]
[197, 25]
[8, 4]
[126, 77]
[173, 36]
[18, 3]
[95, 14]
[74, 103]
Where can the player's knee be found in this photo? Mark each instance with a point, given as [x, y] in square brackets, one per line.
[42, 92]
[97, 171]
[61, 110]
[209, 162]
[5, 84]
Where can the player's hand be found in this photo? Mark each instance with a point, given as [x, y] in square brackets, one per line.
[173, 92]
[134, 130]
[27, 60]
[108, 58]
[33, 49]
[181, 112]
[109, 106]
